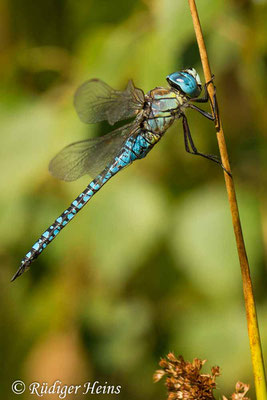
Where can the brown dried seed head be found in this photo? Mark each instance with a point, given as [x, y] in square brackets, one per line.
[215, 371]
[184, 380]
[158, 375]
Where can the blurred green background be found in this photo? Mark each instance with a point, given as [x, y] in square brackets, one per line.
[150, 264]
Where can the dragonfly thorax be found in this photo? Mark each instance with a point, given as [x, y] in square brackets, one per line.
[163, 107]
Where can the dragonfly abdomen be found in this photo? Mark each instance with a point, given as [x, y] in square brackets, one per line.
[133, 149]
[59, 224]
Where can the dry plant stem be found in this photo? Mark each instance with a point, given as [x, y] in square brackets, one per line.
[253, 330]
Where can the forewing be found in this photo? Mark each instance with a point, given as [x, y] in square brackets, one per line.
[96, 101]
[89, 156]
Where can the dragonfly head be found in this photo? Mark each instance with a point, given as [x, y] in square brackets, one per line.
[187, 81]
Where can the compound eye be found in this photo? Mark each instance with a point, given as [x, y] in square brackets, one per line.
[185, 82]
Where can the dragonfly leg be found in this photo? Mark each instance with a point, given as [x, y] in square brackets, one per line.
[212, 117]
[214, 104]
[206, 96]
[202, 112]
[188, 141]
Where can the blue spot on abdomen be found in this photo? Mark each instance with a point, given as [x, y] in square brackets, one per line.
[35, 246]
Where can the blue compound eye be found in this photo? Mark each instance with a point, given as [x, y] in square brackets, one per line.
[187, 81]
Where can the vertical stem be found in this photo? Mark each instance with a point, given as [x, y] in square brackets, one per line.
[253, 330]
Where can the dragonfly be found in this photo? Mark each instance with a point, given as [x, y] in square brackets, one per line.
[150, 116]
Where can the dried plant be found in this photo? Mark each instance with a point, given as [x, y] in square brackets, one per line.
[185, 381]
[241, 390]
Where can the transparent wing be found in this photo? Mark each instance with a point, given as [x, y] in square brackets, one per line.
[96, 101]
[90, 156]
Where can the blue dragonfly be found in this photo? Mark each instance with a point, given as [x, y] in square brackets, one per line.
[151, 115]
